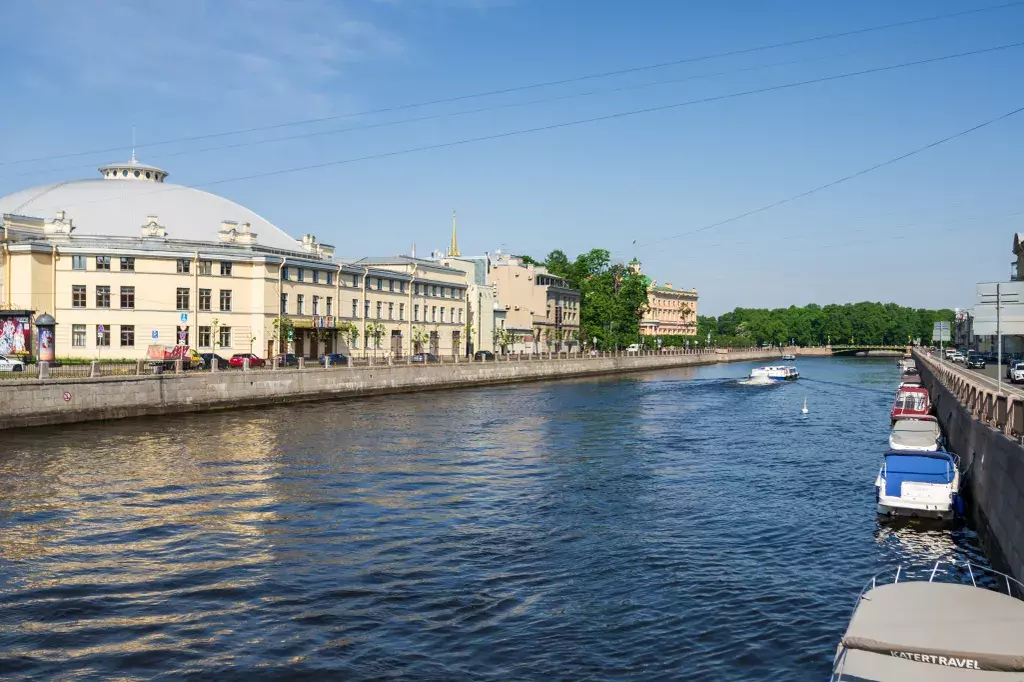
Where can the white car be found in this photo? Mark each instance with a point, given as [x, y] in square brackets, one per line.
[958, 357]
[11, 364]
[633, 348]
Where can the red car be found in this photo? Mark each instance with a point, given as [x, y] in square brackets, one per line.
[238, 359]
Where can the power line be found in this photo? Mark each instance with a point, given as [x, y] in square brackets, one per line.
[564, 81]
[827, 185]
[624, 114]
[464, 112]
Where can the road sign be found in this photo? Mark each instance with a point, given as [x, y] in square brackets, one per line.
[156, 334]
[99, 330]
[67, 397]
[291, 335]
[182, 337]
[184, 318]
[940, 331]
[182, 327]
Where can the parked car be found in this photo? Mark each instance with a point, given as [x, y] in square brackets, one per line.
[11, 364]
[287, 360]
[1017, 374]
[424, 357]
[483, 355]
[207, 361]
[975, 361]
[335, 359]
[633, 348]
[238, 360]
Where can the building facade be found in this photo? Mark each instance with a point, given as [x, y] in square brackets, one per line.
[670, 311]
[541, 311]
[128, 260]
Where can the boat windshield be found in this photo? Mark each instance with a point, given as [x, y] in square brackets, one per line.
[915, 402]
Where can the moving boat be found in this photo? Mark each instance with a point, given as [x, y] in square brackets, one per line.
[776, 373]
[790, 357]
[911, 401]
[915, 433]
[919, 483]
[959, 624]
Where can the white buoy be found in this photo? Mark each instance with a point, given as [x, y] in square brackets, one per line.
[804, 411]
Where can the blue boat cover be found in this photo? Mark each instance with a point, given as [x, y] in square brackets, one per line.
[917, 467]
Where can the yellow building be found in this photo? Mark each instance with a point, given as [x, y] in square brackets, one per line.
[542, 312]
[127, 260]
[669, 311]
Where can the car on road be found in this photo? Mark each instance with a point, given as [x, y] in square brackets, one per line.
[238, 360]
[207, 360]
[423, 358]
[975, 361]
[1009, 361]
[287, 360]
[1017, 373]
[483, 356]
[9, 363]
[333, 359]
[958, 357]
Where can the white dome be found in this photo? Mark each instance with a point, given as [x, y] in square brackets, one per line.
[119, 207]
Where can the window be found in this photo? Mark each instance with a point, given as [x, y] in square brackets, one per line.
[416, 289]
[206, 267]
[182, 298]
[442, 313]
[284, 303]
[78, 335]
[128, 264]
[204, 337]
[401, 287]
[391, 311]
[316, 304]
[102, 297]
[380, 284]
[225, 337]
[316, 278]
[284, 273]
[416, 313]
[127, 335]
[102, 262]
[300, 274]
[225, 300]
[127, 297]
[444, 292]
[355, 307]
[78, 262]
[401, 311]
[225, 269]
[355, 280]
[366, 309]
[103, 337]
[433, 314]
[460, 315]
[330, 305]
[204, 299]
[330, 280]
[184, 266]
[391, 285]
[433, 291]
[300, 301]
[78, 296]
[379, 306]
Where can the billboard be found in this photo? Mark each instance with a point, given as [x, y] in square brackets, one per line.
[15, 334]
[1011, 308]
[940, 332]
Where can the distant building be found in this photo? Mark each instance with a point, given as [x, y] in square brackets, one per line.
[669, 311]
[480, 305]
[542, 312]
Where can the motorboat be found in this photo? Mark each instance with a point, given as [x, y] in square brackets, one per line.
[951, 622]
[789, 357]
[911, 401]
[775, 373]
[915, 433]
[919, 483]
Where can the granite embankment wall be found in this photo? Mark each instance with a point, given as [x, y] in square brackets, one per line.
[56, 401]
[979, 426]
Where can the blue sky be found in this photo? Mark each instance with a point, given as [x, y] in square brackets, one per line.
[77, 76]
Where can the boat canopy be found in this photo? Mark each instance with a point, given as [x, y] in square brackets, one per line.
[915, 433]
[934, 631]
[917, 467]
[912, 399]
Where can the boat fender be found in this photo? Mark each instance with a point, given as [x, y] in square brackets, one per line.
[958, 505]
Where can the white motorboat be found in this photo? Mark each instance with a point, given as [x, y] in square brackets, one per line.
[915, 433]
[919, 483]
[789, 357]
[775, 373]
[951, 622]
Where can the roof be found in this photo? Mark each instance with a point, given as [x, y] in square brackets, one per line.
[931, 623]
[119, 208]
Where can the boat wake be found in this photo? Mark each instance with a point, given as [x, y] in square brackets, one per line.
[760, 380]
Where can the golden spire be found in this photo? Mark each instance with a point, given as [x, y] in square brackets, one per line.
[453, 250]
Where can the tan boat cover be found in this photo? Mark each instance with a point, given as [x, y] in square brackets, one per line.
[940, 624]
[910, 433]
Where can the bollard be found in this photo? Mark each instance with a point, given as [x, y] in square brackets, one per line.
[44, 370]
[302, 363]
[275, 364]
[94, 368]
[389, 361]
[139, 364]
[178, 366]
[327, 362]
[245, 364]
[214, 363]
[456, 356]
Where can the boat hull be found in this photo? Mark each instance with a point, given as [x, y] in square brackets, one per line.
[900, 512]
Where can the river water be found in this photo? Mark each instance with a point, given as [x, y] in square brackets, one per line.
[670, 525]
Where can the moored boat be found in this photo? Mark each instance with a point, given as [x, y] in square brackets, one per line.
[911, 401]
[960, 623]
[915, 433]
[918, 483]
[775, 373]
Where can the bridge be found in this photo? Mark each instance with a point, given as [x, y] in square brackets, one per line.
[853, 349]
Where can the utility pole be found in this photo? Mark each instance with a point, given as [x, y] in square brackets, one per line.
[999, 342]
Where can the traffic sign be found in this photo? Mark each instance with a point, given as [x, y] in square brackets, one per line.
[67, 397]
[99, 330]
[156, 334]
[182, 327]
[184, 318]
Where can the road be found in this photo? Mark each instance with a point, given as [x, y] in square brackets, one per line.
[988, 376]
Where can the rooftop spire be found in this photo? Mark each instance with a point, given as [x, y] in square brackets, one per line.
[453, 250]
[134, 160]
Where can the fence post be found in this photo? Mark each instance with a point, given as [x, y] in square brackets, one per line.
[44, 370]
[214, 363]
[94, 368]
[138, 367]
[245, 364]
[302, 363]
[178, 366]
[275, 364]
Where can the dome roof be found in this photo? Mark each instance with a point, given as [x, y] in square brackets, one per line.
[110, 207]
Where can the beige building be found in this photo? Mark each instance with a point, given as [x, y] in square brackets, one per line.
[670, 311]
[128, 260]
[541, 311]
[480, 304]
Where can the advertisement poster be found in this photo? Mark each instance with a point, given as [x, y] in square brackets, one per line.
[45, 345]
[15, 334]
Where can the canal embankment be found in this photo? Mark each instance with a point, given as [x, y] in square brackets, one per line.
[43, 402]
[984, 428]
